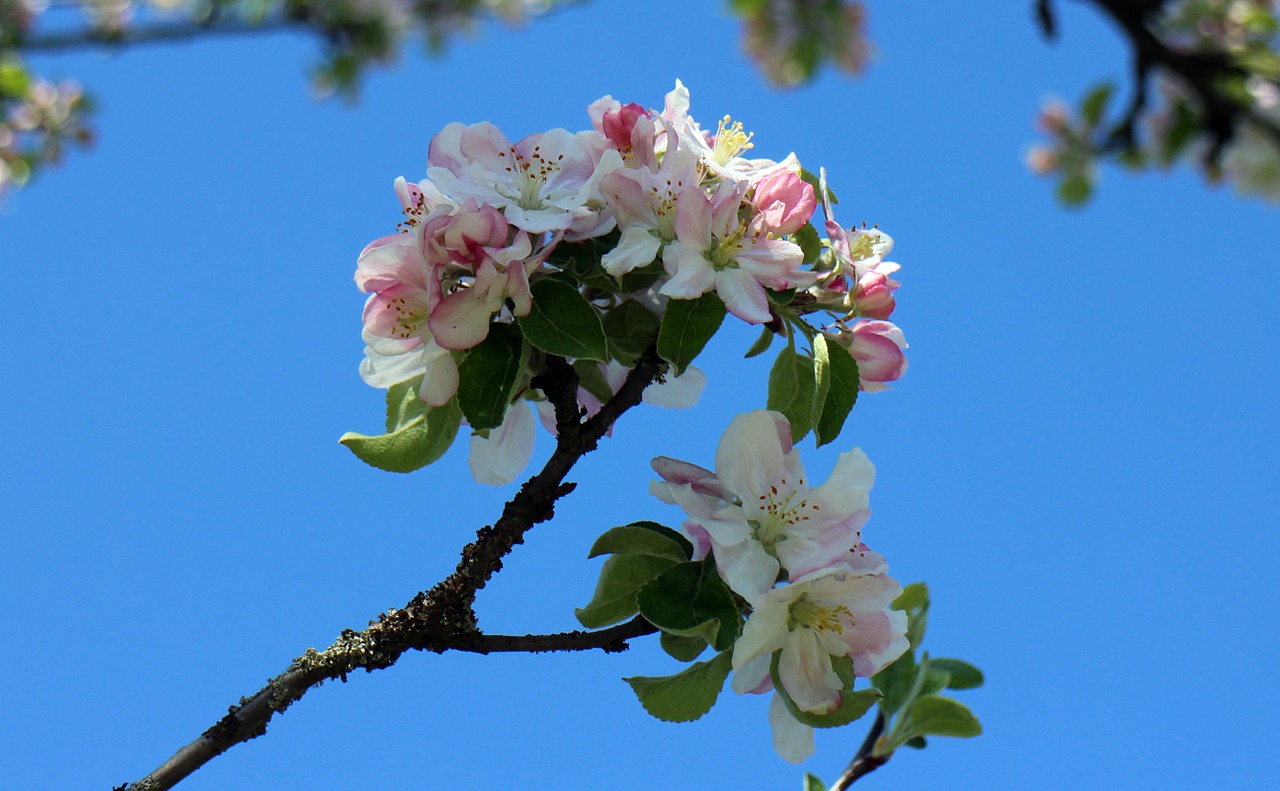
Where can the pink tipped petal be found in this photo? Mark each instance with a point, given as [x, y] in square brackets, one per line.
[461, 320]
[805, 670]
[753, 678]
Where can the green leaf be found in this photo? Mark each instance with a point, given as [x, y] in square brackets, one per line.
[687, 695]
[843, 665]
[916, 743]
[780, 298]
[686, 327]
[914, 601]
[791, 390]
[630, 329]
[895, 682]
[487, 376]
[691, 599]
[641, 278]
[938, 716]
[821, 377]
[562, 321]
[842, 394]
[621, 577]
[640, 538]
[681, 647]
[935, 680]
[762, 343]
[1075, 189]
[581, 261]
[963, 675]
[592, 379]
[816, 182]
[14, 80]
[853, 705]
[1095, 103]
[416, 434]
[812, 783]
[809, 241]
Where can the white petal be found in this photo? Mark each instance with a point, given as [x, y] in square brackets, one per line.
[749, 459]
[499, 458]
[792, 739]
[681, 392]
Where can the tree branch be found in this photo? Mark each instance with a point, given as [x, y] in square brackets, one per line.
[441, 619]
[1203, 73]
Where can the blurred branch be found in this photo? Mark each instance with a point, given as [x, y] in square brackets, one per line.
[441, 619]
[1204, 73]
[864, 762]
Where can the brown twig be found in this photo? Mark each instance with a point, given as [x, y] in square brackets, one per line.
[442, 618]
[864, 762]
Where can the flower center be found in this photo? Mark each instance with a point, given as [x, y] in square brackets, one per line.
[823, 617]
[731, 141]
[781, 509]
[531, 174]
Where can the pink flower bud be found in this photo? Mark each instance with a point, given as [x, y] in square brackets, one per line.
[877, 347]
[873, 296]
[785, 202]
[461, 237]
[617, 125]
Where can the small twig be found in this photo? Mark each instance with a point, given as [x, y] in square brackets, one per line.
[864, 762]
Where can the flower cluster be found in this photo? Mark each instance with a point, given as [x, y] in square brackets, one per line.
[644, 209]
[795, 554]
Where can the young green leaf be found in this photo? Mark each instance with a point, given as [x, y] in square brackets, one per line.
[762, 343]
[821, 377]
[809, 241]
[687, 695]
[562, 321]
[621, 577]
[687, 326]
[487, 375]
[963, 675]
[416, 436]
[791, 390]
[812, 783]
[938, 716]
[895, 681]
[842, 394]
[1093, 106]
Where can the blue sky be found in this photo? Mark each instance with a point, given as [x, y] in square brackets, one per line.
[1079, 461]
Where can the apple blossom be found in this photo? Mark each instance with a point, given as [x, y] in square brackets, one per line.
[841, 610]
[399, 344]
[715, 250]
[785, 203]
[541, 182]
[762, 517]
